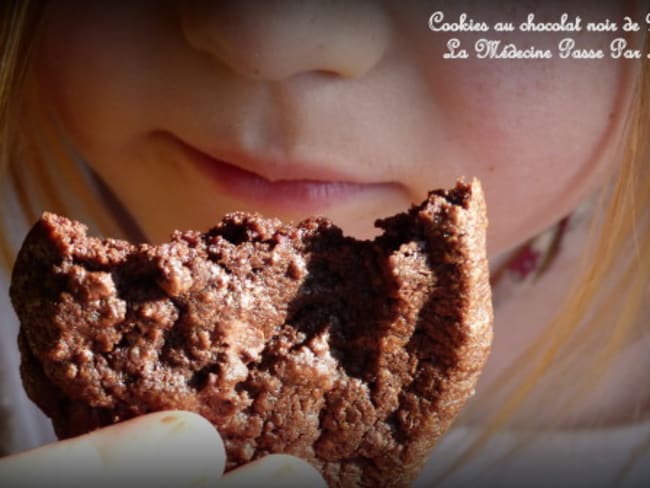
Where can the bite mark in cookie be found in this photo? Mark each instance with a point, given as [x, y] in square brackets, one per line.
[353, 355]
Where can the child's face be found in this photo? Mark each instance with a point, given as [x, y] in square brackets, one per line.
[345, 109]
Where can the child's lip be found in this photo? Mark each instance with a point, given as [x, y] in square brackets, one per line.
[306, 187]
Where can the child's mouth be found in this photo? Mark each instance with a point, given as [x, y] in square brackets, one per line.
[300, 186]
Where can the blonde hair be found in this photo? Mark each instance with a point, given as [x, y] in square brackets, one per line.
[14, 39]
[620, 213]
[581, 335]
[32, 152]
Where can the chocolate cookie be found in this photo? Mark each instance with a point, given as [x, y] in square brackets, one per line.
[353, 355]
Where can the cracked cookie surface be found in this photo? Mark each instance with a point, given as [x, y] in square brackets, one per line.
[353, 355]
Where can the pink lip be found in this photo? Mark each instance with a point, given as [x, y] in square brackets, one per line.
[317, 190]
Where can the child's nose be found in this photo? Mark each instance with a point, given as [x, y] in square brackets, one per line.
[276, 39]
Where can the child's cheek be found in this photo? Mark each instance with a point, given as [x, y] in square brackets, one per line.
[539, 133]
[536, 111]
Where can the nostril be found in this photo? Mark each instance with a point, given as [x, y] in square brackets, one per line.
[328, 73]
[257, 73]
[276, 40]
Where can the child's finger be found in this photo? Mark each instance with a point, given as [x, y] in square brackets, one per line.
[272, 471]
[171, 448]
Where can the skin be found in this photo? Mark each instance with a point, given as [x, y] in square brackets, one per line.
[347, 99]
[149, 449]
[389, 114]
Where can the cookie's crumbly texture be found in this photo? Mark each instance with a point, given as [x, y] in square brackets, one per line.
[354, 355]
